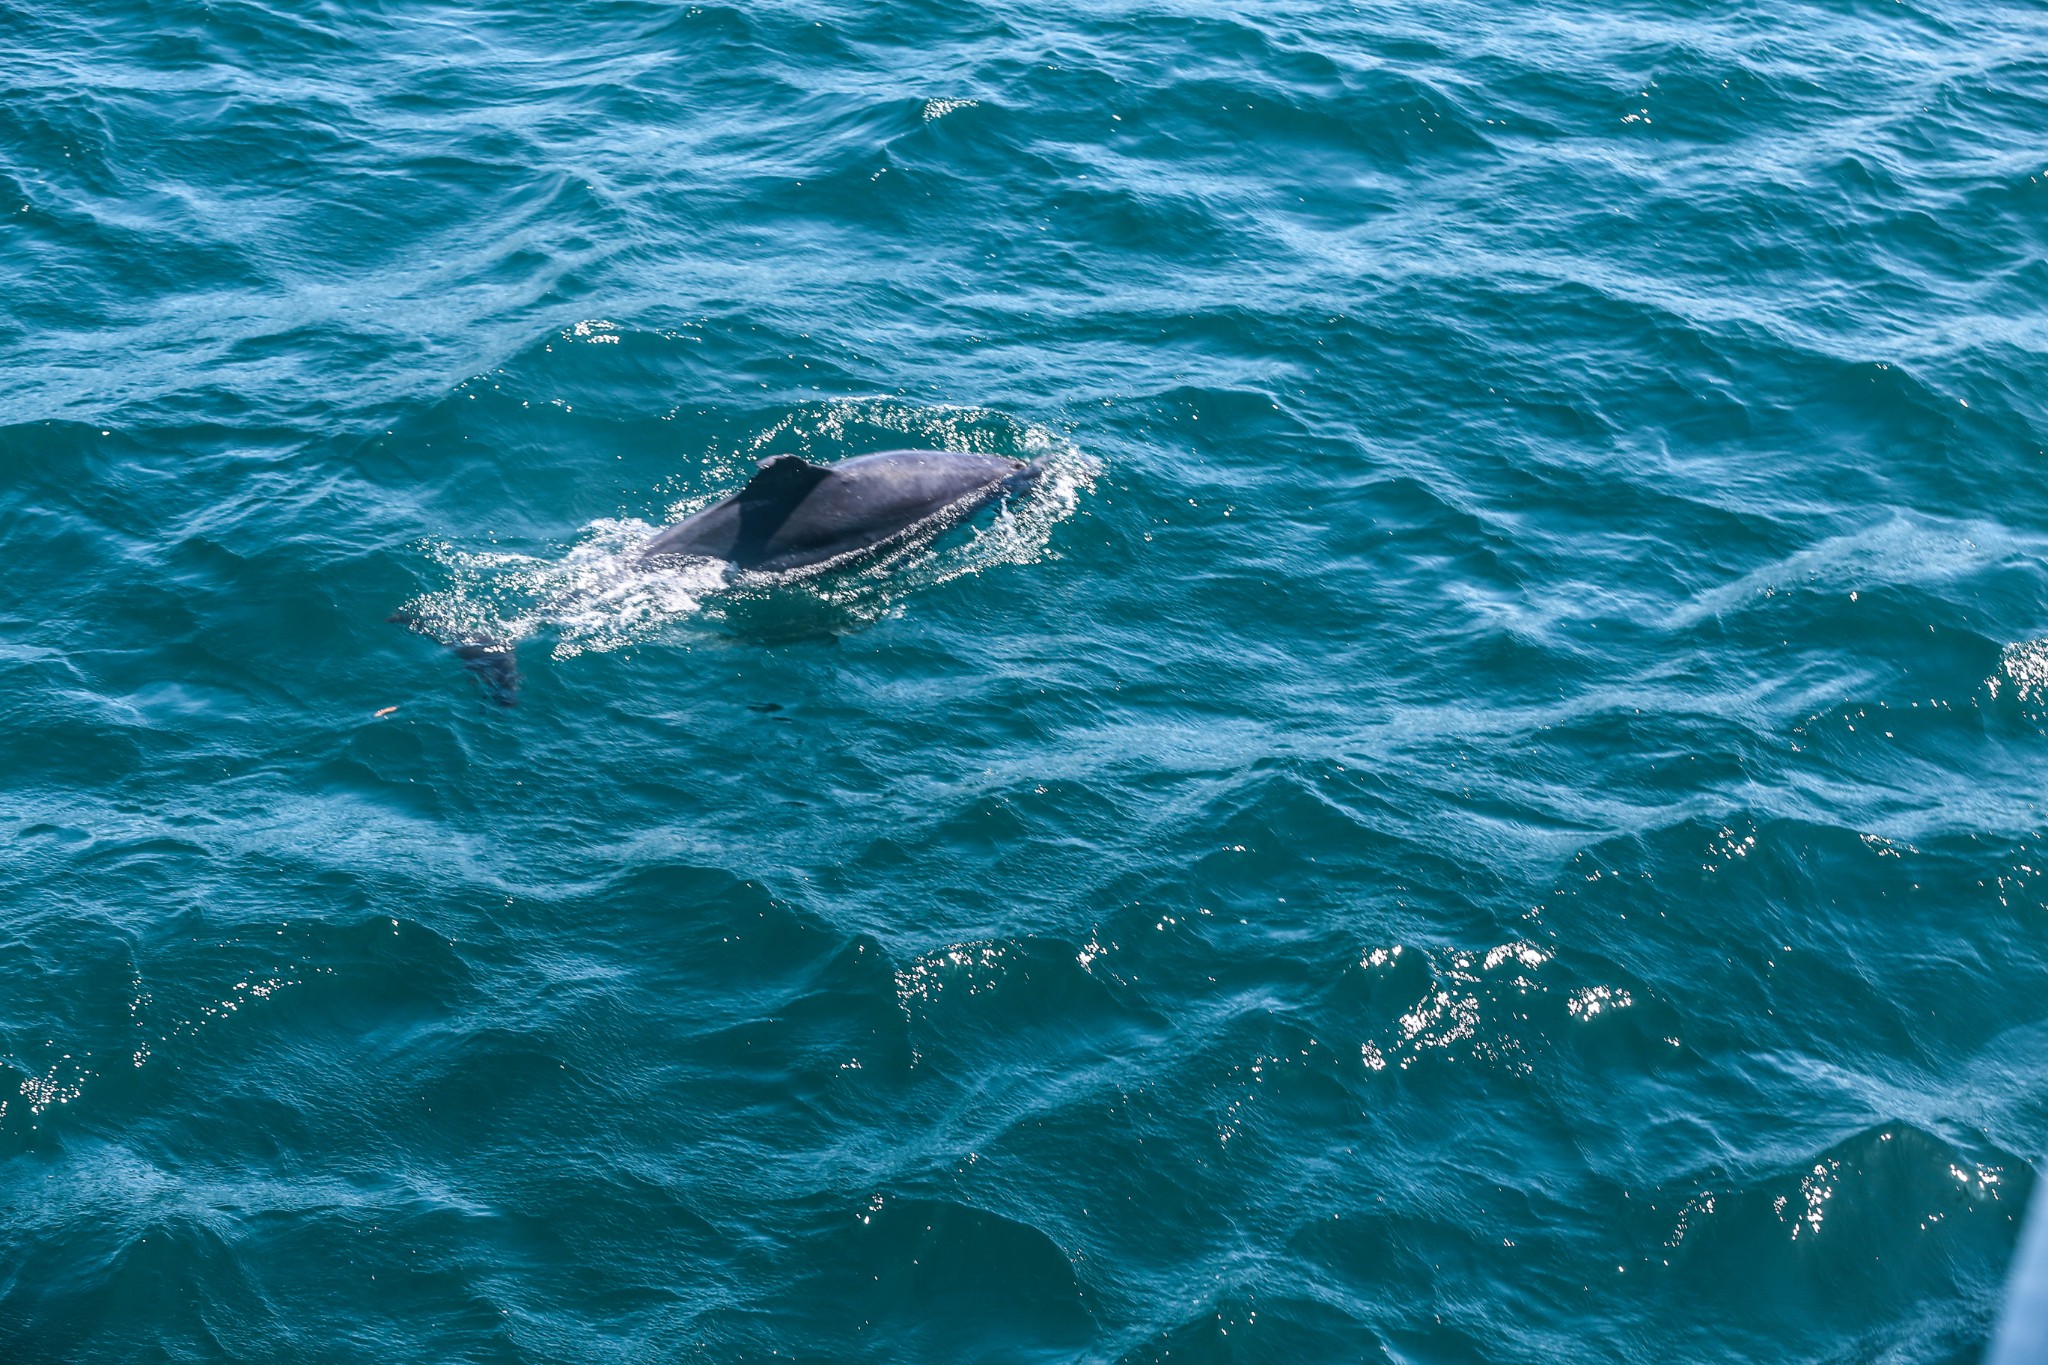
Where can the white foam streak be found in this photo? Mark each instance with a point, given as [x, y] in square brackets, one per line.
[1906, 549]
[595, 598]
[2025, 666]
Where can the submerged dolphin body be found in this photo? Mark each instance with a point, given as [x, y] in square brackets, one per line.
[796, 517]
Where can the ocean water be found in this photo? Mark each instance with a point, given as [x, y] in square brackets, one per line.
[1490, 810]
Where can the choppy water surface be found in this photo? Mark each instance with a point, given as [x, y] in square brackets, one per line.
[1492, 811]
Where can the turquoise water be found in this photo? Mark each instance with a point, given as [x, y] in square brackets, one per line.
[1491, 809]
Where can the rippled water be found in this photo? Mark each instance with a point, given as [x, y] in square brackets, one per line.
[1492, 811]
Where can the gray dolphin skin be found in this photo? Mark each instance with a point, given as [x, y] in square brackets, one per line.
[797, 515]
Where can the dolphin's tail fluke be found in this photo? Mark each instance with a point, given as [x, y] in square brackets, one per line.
[495, 662]
[496, 667]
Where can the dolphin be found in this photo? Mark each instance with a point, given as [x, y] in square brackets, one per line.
[796, 518]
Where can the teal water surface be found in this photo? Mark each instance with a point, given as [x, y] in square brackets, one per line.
[1490, 808]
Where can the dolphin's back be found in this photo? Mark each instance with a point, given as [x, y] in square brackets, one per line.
[795, 514]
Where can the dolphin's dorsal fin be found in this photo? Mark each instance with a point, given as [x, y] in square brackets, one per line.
[783, 478]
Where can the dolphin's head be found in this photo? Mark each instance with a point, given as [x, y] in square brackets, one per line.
[1026, 476]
